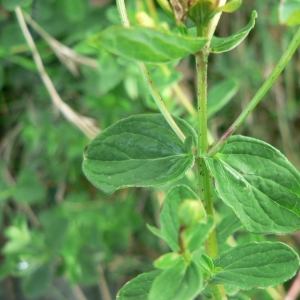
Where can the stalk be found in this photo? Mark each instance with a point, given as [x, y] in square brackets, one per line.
[286, 57]
[203, 175]
[147, 79]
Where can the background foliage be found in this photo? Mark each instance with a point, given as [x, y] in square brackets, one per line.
[61, 238]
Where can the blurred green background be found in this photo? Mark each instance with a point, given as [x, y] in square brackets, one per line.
[61, 238]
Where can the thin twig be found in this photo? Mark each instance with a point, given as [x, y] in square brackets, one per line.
[64, 53]
[148, 80]
[78, 293]
[103, 286]
[86, 125]
[294, 290]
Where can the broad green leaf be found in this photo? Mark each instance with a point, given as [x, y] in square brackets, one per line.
[13, 4]
[147, 45]
[179, 282]
[259, 184]
[169, 220]
[219, 45]
[230, 6]
[289, 12]
[141, 150]
[219, 95]
[139, 287]
[256, 265]
[194, 237]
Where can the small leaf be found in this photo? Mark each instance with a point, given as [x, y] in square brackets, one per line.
[139, 151]
[219, 95]
[259, 184]
[179, 282]
[207, 263]
[289, 12]
[219, 45]
[167, 260]
[256, 265]
[146, 44]
[13, 4]
[139, 287]
[169, 220]
[194, 237]
[230, 6]
[155, 231]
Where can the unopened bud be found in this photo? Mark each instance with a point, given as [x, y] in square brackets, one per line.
[190, 212]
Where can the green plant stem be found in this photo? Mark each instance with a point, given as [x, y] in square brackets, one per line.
[202, 172]
[203, 175]
[147, 78]
[287, 55]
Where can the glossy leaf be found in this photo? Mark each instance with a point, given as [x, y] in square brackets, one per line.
[219, 45]
[179, 282]
[256, 265]
[289, 12]
[138, 288]
[169, 220]
[219, 95]
[147, 45]
[141, 150]
[259, 184]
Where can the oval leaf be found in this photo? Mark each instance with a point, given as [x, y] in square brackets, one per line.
[169, 220]
[219, 45]
[289, 12]
[259, 184]
[146, 44]
[138, 151]
[256, 265]
[138, 288]
[179, 282]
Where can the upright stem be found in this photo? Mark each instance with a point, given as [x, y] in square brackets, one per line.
[202, 172]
